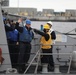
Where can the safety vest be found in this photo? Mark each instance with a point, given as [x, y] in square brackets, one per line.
[46, 44]
[26, 36]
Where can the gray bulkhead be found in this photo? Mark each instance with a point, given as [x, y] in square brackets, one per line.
[3, 45]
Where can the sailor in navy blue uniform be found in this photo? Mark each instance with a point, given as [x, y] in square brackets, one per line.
[25, 37]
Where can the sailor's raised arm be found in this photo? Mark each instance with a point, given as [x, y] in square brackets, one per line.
[19, 28]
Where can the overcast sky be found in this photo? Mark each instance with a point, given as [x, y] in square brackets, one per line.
[57, 5]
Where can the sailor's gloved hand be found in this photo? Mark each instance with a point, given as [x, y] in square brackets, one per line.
[30, 28]
[35, 30]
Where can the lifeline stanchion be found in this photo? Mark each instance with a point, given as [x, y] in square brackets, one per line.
[37, 62]
[31, 62]
[70, 63]
[71, 55]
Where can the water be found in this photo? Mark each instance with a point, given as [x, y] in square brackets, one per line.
[62, 27]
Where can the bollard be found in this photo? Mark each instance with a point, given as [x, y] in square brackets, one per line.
[45, 68]
[56, 68]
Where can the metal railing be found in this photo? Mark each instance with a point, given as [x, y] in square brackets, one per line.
[38, 54]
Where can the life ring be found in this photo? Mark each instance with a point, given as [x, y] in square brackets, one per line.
[11, 70]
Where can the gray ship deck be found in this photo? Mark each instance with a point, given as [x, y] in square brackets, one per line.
[63, 71]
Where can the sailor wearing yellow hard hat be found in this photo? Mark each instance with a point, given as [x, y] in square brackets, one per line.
[46, 42]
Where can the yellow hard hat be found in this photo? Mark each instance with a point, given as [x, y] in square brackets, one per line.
[46, 26]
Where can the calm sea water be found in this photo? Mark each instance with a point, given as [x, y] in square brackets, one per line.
[63, 27]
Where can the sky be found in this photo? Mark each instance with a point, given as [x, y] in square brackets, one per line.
[57, 5]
